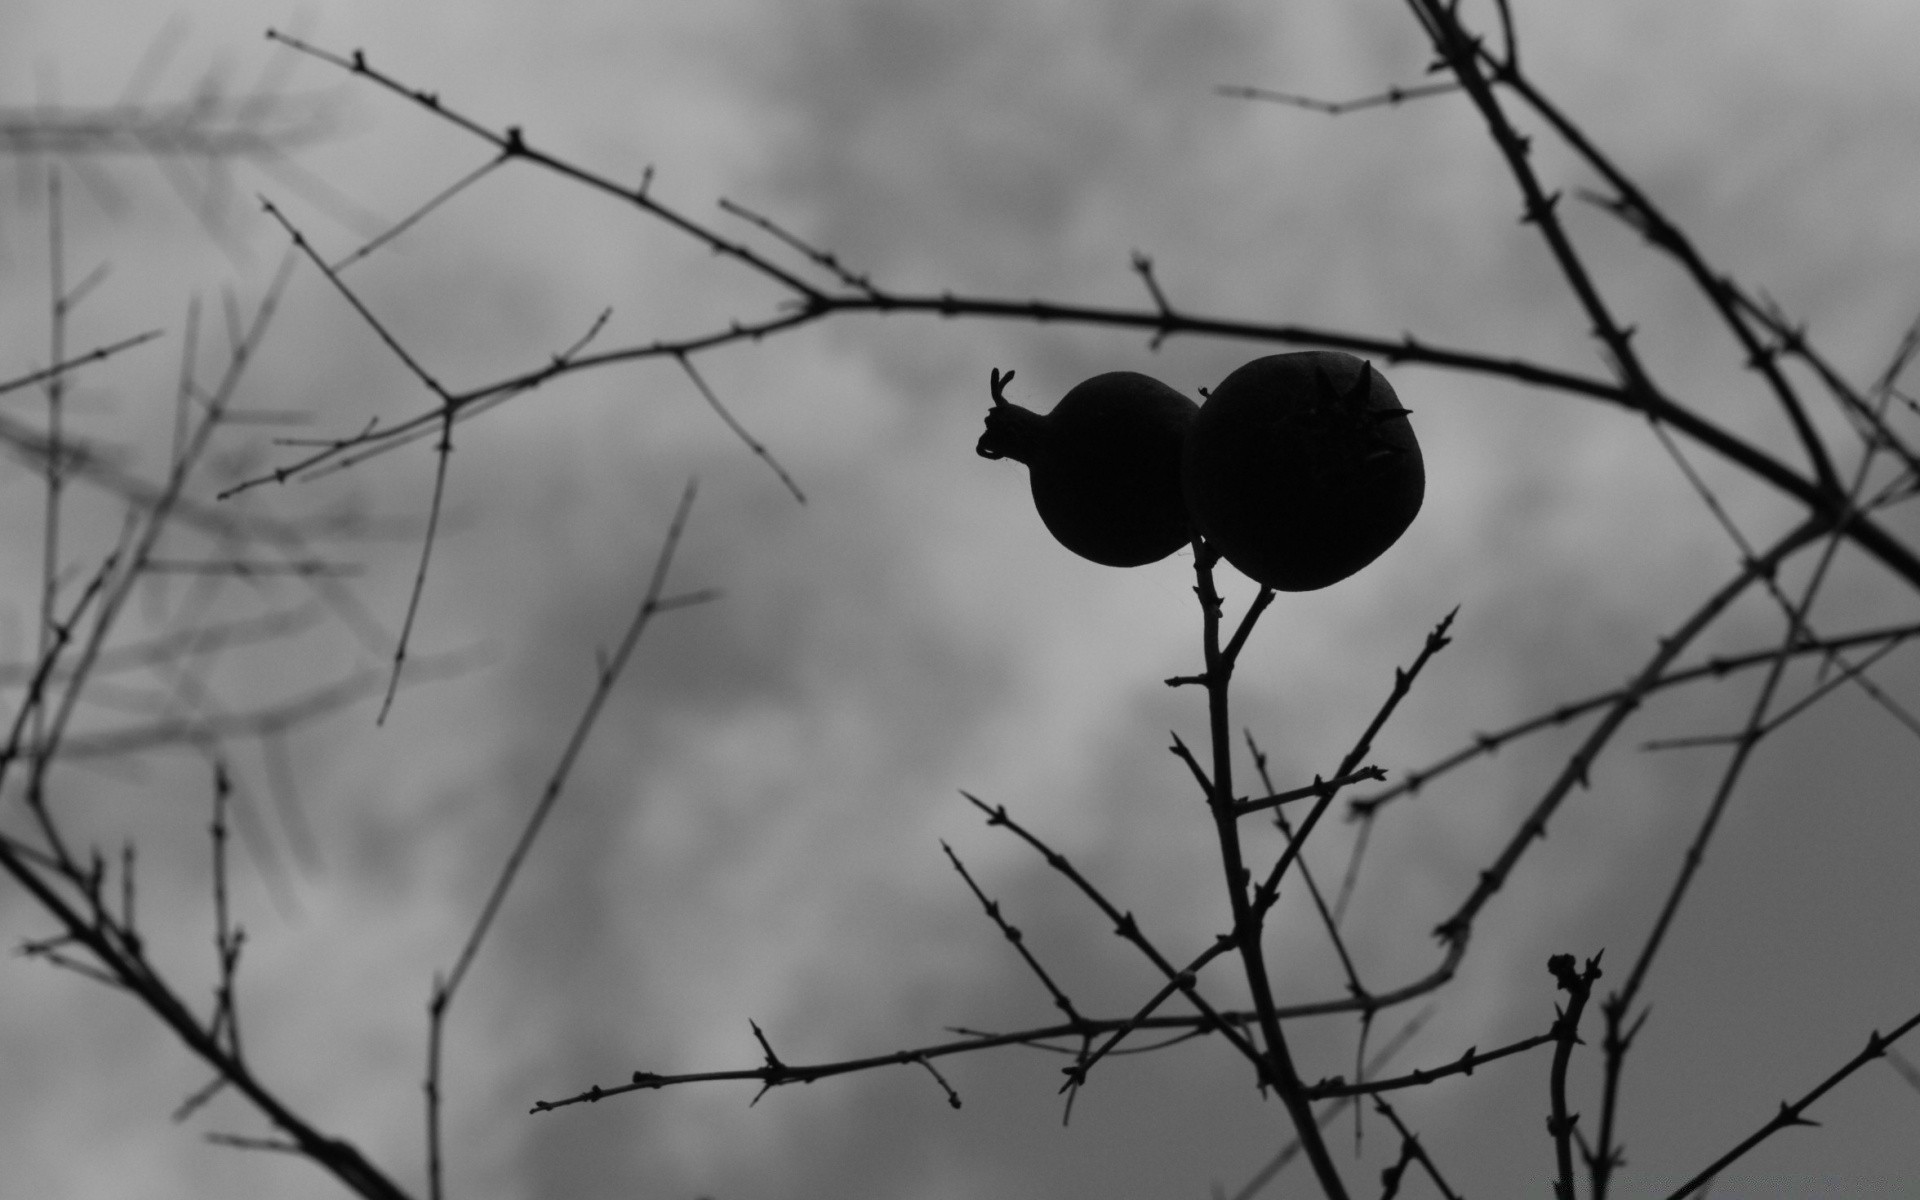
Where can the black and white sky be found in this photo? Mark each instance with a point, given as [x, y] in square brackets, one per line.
[754, 831]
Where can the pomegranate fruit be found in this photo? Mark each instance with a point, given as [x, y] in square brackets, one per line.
[1303, 468]
[1104, 464]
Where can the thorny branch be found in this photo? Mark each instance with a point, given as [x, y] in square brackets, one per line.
[94, 940]
[810, 302]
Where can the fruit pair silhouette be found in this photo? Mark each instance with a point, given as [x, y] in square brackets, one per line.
[1300, 469]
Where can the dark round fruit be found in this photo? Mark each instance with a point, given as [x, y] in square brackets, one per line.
[1303, 468]
[1105, 464]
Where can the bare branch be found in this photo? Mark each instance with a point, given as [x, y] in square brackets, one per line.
[1392, 96]
[1790, 1114]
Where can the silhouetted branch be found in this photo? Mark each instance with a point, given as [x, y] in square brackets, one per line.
[1392, 96]
[1791, 1113]
[653, 601]
[808, 303]
[97, 354]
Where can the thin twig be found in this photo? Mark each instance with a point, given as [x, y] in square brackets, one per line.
[1437, 640]
[1716, 667]
[59, 369]
[1791, 1113]
[1456, 927]
[417, 215]
[1411, 1141]
[443, 453]
[653, 601]
[1014, 937]
[824, 258]
[1124, 925]
[740, 431]
[1466, 1064]
[1354, 986]
[1392, 96]
[1308, 791]
[779, 1073]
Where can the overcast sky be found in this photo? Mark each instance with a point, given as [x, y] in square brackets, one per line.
[754, 832]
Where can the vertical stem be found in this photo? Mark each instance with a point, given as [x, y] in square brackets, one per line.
[436, 1024]
[1278, 1069]
[56, 392]
[1566, 1034]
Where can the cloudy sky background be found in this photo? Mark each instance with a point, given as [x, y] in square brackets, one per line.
[754, 832]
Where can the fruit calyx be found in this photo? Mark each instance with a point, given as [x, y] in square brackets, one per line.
[1012, 432]
[1337, 431]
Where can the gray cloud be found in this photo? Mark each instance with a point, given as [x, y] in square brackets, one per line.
[753, 832]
